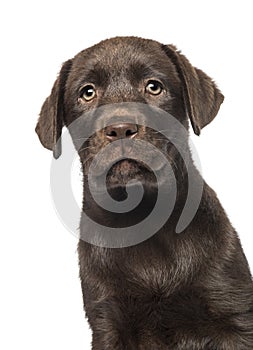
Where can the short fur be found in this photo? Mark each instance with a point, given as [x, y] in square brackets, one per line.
[188, 291]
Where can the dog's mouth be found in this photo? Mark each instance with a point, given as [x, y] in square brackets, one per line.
[127, 158]
[121, 173]
[114, 171]
[132, 187]
[126, 163]
[124, 175]
[128, 170]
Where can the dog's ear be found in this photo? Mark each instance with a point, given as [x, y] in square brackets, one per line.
[50, 123]
[202, 98]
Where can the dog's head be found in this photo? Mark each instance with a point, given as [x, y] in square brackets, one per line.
[115, 88]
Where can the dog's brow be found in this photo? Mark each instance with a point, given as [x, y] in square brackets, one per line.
[141, 71]
[96, 75]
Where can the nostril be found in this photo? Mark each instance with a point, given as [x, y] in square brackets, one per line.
[111, 133]
[130, 132]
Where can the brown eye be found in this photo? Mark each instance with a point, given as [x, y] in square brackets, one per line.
[87, 93]
[154, 87]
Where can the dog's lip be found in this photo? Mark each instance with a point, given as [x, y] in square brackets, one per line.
[100, 170]
[100, 184]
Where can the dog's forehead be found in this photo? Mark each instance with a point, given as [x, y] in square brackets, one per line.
[122, 52]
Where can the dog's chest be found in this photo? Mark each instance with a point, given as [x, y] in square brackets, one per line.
[140, 275]
[138, 272]
[151, 275]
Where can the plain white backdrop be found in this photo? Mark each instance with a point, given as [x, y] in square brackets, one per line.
[40, 301]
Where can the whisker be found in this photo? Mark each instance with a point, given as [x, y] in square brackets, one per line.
[84, 148]
[159, 131]
[86, 160]
[161, 139]
[79, 138]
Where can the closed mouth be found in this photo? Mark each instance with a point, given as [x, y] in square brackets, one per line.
[126, 172]
[126, 166]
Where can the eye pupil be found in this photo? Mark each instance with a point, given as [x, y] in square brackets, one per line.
[89, 92]
[153, 86]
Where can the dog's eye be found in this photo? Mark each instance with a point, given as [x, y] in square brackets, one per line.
[154, 87]
[87, 93]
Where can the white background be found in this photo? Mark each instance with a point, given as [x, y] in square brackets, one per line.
[40, 302]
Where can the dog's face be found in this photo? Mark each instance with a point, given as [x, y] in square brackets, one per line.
[110, 83]
[115, 88]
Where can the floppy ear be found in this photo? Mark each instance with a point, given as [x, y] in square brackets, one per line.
[50, 123]
[202, 98]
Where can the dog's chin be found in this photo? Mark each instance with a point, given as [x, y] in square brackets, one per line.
[124, 175]
[127, 172]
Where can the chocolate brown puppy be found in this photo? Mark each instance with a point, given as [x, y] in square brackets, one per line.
[188, 290]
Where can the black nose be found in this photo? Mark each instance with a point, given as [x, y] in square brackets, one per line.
[121, 131]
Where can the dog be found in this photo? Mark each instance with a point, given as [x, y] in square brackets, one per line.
[161, 290]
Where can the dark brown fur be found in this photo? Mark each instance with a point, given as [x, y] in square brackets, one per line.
[188, 291]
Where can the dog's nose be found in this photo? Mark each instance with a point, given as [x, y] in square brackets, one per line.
[121, 131]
